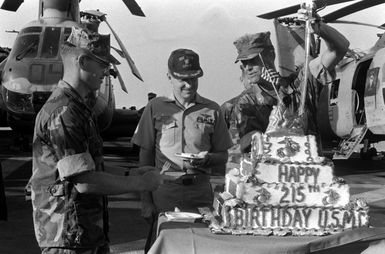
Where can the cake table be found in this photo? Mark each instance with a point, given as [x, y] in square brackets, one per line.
[195, 238]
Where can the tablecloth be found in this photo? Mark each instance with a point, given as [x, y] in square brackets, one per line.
[196, 238]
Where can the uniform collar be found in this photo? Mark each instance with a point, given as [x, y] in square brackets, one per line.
[198, 99]
[70, 91]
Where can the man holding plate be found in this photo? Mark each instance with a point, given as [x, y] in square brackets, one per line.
[185, 137]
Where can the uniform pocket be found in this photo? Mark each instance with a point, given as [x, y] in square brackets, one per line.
[205, 128]
[166, 130]
[202, 136]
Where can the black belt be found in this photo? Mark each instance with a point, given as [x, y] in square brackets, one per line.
[189, 179]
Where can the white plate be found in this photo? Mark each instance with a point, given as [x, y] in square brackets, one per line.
[182, 216]
[189, 155]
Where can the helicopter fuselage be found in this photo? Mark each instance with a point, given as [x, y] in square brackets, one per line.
[32, 71]
[356, 97]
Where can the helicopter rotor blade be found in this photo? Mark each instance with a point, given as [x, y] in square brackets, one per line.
[134, 8]
[130, 62]
[122, 85]
[120, 53]
[357, 23]
[294, 8]
[11, 5]
[123, 52]
[351, 9]
[2, 64]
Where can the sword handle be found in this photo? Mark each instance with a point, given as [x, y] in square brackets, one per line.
[309, 5]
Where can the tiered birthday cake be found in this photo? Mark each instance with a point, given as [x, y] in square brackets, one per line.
[285, 188]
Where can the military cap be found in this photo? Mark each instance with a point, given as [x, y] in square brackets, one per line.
[250, 45]
[184, 63]
[97, 44]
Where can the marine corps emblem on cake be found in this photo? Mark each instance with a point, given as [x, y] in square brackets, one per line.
[285, 188]
[291, 148]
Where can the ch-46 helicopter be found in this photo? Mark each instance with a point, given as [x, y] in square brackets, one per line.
[351, 108]
[31, 71]
[4, 52]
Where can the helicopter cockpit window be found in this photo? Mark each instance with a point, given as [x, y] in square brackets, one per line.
[51, 39]
[67, 32]
[31, 29]
[26, 46]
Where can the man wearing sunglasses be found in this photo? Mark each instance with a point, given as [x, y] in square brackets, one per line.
[69, 185]
[257, 55]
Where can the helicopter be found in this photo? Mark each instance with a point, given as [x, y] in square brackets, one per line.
[33, 67]
[4, 52]
[351, 109]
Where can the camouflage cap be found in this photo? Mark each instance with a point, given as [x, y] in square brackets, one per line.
[184, 63]
[97, 44]
[250, 45]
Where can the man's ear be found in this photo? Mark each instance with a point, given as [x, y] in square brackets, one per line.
[168, 76]
[82, 60]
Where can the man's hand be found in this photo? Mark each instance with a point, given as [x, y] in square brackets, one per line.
[150, 177]
[201, 159]
[151, 180]
[148, 210]
[305, 14]
[141, 170]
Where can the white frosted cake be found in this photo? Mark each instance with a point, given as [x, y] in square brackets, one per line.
[286, 188]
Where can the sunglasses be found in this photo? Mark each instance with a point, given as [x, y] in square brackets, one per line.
[253, 61]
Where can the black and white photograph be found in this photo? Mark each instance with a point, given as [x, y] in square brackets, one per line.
[192, 126]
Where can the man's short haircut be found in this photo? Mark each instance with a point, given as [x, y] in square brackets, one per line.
[95, 45]
[67, 50]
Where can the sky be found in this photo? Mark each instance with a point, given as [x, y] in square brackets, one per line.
[209, 27]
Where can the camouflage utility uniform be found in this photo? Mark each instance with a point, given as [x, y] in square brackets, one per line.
[244, 114]
[250, 111]
[67, 143]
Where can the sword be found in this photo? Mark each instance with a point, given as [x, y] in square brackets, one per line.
[309, 8]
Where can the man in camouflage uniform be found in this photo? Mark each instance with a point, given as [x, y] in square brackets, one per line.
[68, 182]
[231, 119]
[256, 53]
